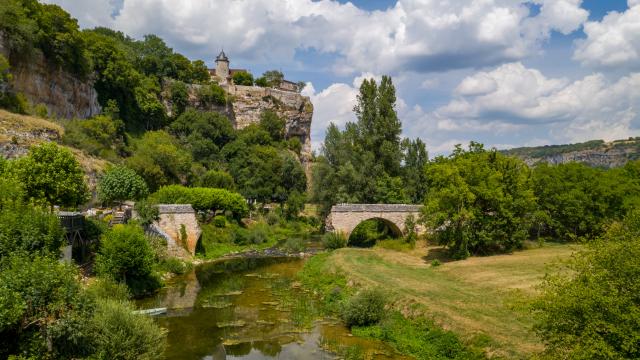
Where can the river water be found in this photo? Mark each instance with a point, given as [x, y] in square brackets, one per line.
[252, 308]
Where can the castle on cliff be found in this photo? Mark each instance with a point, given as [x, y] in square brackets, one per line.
[223, 74]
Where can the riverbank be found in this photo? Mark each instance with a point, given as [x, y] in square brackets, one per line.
[482, 300]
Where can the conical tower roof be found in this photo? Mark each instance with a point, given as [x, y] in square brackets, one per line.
[222, 57]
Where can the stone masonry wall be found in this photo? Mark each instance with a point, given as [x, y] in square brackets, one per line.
[345, 217]
[172, 219]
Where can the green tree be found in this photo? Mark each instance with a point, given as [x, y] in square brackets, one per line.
[18, 29]
[30, 230]
[479, 201]
[203, 199]
[217, 179]
[120, 183]
[179, 97]
[212, 94]
[101, 136]
[271, 78]
[200, 72]
[51, 173]
[273, 124]
[593, 310]
[203, 133]
[125, 256]
[243, 78]
[159, 159]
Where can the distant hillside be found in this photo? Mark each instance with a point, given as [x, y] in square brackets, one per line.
[597, 153]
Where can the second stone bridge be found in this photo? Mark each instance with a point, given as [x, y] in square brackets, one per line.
[345, 217]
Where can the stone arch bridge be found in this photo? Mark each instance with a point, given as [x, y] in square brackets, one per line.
[345, 217]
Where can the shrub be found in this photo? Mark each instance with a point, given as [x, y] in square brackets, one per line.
[147, 212]
[243, 78]
[364, 308]
[120, 334]
[31, 230]
[217, 179]
[203, 199]
[272, 218]
[179, 97]
[212, 94]
[294, 245]
[435, 263]
[175, 266]
[125, 255]
[220, 221]
[258, 234]
[334, 240]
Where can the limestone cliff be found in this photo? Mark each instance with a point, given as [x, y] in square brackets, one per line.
[595, 153]
[64, 95]
[248, 102]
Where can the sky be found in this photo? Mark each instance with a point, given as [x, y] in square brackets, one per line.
[506, 73]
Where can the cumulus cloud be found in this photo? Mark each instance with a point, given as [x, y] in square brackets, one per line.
[612, 42]
[418, 35]
[514, 98]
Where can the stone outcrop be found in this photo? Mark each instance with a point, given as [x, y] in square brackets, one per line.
[179, 226]
[594, 153]
[64, 95]
[248, 102]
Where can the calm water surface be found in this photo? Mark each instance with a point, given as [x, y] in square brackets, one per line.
[252, 309]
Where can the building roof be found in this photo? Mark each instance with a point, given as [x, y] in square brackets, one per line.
[222, 57]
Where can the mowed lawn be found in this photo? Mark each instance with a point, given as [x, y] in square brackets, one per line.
[485, 296]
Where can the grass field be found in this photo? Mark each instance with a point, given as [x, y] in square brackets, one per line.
[477, 297]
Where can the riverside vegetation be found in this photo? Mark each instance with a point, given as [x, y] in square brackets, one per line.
[481, 285]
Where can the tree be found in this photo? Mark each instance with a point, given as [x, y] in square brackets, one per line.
[51, 173]
[294, 204]
[159, 159]
[217, 179]
[592, 311]
[25, 229]
[479, 201]
[243, 78]
[120, 183]
[273, 124]
[200, 72]
[204, 133]
[203, 199]
[125, 256]
[272, 78]
[179, 97]
[212, 94]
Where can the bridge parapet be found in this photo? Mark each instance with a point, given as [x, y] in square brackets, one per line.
[375, 208]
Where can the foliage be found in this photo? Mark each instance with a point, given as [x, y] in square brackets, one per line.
[479, 201]
[203, 199]
[212, 94]
[593, 311]
[273, 124]
[364, 308]
[125, 255]
[334, 240]
[179, 97]
[159, 159]
[294, 204]
[120, 183]
[51, 173]
[99, 136]
[271, 78]
[217, 179]
[30, 230]
[243, 78]
[35, 293]
[410, 230]
[147, 212]
[219, 221]
[294, 245]
[366, 162]
[326, 281]
[203, 133]
[576, 201]
[418, 337]
[120, 334]
[368, 232]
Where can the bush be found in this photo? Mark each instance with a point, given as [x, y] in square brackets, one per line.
[30, 230]
[364, 308]
[203, 199]
[258, 234]
[125, 255]
[212, 94]
[334, 240]
[121, 334]
[243, 78]
[219, 221]
[147, 212]
[175, 266]
[294, 245]
[217, 179]
[272, 218]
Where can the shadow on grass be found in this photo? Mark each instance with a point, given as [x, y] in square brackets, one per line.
[437, 253]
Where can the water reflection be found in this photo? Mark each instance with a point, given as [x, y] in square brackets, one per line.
[251, 309]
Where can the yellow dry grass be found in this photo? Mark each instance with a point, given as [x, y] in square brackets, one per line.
[11, 123]
[480, 295]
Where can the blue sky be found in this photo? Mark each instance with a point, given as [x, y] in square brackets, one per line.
[503, 72]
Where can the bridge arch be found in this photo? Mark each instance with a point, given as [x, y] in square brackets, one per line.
[345, 217]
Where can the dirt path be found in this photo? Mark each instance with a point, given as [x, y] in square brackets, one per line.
[478, 296]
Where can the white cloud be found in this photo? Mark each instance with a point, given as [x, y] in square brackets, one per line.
[520, 98]
[612, 42]
[419, 35]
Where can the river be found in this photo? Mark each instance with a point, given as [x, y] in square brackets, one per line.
[252, 308]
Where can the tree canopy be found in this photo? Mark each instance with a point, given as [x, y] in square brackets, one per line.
[120, 183]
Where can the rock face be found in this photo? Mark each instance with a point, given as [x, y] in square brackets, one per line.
[250, 101]
[594, 153]
[64, 95]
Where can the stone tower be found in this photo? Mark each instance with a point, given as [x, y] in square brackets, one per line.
[222, 66]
